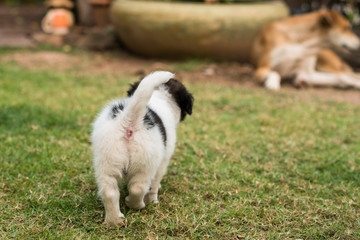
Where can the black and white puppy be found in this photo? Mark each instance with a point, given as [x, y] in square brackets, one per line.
[134, 138]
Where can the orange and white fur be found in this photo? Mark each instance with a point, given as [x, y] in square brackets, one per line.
[299, 48]
[134, 138]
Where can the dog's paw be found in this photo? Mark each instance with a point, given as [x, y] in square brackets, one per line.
[151, 197]
[299, 82]
[118, 221]
[134, 205]
[272, 81]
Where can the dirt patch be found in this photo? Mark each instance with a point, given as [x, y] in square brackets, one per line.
[120, 63]
[42, 60]
[338, 95]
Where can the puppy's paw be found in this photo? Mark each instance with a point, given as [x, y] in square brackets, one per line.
[134, 205]
[117, 221]
[151, 197]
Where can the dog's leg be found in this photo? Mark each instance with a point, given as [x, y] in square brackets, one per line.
[269, 78]
[328, 79]
[335, 77]
[110, 195]
[138, 186]
[152, 195]
[351, 80]
[355, 76]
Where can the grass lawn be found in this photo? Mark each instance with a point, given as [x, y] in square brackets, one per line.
[249, 163]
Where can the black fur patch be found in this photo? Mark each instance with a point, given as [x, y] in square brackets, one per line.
[116, 109]
[151, 119]
[133, 88]
[183, 98]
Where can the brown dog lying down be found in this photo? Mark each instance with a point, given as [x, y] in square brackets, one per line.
[298, 48]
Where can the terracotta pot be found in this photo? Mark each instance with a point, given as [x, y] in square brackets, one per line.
[184, 30]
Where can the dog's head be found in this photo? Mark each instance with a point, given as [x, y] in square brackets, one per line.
[182, 97]
[177, 90]
[338, 31]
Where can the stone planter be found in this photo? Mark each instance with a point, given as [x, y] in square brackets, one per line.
[185, 30]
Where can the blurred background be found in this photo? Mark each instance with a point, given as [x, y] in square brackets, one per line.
[116, 24]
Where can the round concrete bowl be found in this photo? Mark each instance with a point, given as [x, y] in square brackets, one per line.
[187, 30]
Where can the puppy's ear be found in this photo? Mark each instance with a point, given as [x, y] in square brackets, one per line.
[325, 19]
[186, 104]
[183, 98]
[133, 88]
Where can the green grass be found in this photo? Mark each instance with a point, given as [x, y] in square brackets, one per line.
[249, 164]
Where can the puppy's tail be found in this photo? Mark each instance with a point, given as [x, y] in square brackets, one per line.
[136, 110]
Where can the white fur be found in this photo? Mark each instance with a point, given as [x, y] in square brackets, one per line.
[273, 81]
[125, 150]
[339, 41]
[299, 41]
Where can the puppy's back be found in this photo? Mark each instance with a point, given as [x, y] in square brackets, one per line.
[124, 131]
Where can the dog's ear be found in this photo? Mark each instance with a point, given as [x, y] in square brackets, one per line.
[133, 88]
[183, 98]
[186, 104]
[326, 20]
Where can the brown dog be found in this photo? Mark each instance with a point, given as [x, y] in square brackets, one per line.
[299, 48]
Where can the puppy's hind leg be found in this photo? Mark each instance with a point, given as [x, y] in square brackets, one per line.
[138, 186]
[152, 195]
[110, 195]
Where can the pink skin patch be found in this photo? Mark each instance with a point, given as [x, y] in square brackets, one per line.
[129, 133]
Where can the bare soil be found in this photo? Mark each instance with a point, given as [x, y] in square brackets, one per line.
[122, 63]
